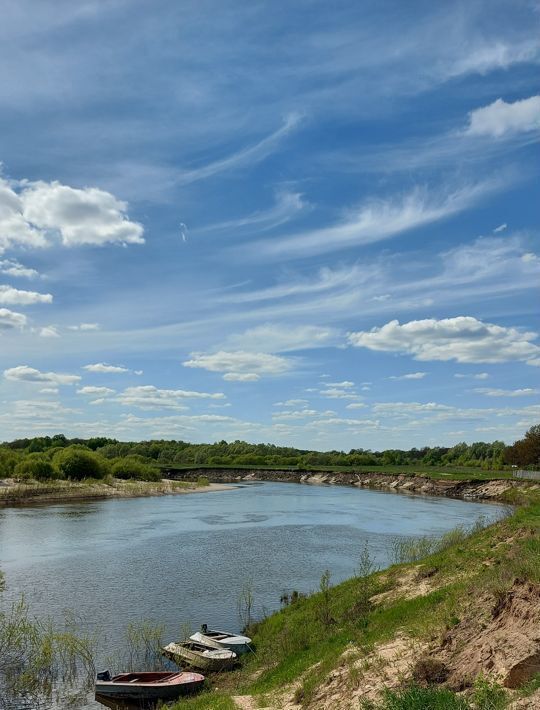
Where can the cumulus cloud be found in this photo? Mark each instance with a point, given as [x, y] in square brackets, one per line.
[150, 397]
[24, 373]
[10, 320]
[99, 391]
[463, 339]
[12, 267]
[524, 392]
[104, 368]
[49, 331]
[409, 376]
[39, 214]
[501, 118]
[238, 363]
[10, 296]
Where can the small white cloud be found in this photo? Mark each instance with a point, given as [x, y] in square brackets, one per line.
[356, 405]
[49, 331]
[241, 377]
[239, 363]
[525, 392]
[84, 326]
[10, 296]
[346, 384]
[24, 373]
[409, 376]
[500, 228]
[150, 397]
[12, 267]
[105, 368]
[10, 320]
[499, 118]
[463, 339]
[477, 376]
[49, 390]
[101, 391]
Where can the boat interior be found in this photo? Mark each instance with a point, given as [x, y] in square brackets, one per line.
[158, 677]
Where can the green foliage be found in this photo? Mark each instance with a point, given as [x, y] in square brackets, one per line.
[525, 452]
[417, 698]
[489, 695]
[37, 467]
[479, 455]
[135, 467]
[8, 462]
[77, 463]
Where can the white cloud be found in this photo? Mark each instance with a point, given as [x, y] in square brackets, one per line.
[150, 397]
[500, 228]
[49, 390]
[14, 296]
[101, 391]
[287, 205]
[241, 377]
[38, 214]
[12, 267]
[463, 339]
[11, 319]
[477, 376]
[24, 373]
[240, 363]
[84, 326]
[104, 368]
[338, 393]
[49, 331]
[409, 376]
[346, 384]
[280, 337]
[291, 403]
[501, 118]
[356, 405]
[525, 392]
[375, 221]
[494, 55]
[250, 155]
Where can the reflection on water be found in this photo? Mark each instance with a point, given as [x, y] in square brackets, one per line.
[124, 704]
[183, 560]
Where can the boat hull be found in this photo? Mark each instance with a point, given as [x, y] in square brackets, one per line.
[141, 687]
[238, 644]
[211, 660]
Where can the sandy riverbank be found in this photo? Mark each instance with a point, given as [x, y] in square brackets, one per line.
[13, 493]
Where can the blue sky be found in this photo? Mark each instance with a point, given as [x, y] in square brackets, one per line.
[304, 223]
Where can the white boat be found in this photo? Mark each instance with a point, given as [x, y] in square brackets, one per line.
[200, 655]
[222, 639]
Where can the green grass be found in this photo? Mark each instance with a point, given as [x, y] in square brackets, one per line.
[206, 701]
[294, 646]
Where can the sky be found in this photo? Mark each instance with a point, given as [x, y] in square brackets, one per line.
[311, 224]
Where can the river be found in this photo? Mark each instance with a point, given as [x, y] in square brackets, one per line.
[183, 560]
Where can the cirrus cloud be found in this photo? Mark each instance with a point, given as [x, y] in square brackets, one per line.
[463, 339]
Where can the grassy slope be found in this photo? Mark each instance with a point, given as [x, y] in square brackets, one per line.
[290, 642]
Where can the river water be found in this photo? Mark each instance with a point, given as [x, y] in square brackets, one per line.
[183, 560]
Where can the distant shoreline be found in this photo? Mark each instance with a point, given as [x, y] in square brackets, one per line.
[13, 494]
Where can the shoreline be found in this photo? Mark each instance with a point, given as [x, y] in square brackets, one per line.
[79, 492]
[495, 490]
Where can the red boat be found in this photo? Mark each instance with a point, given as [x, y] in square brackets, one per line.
[160, 685]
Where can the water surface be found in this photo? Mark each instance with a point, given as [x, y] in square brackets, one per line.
[184, 559]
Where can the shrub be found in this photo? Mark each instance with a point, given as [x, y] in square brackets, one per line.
[77, 463]
[8, 462]
[135, 467]
[37, 467]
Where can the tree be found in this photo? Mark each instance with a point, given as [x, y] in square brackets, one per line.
[135, 467]
[35, 466]
[77, 463]
[526, 451]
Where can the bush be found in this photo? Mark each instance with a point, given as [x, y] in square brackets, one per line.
[77, 463]
[134, 467]
[8, 462]
[37, 467]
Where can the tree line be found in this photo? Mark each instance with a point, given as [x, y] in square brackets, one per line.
[49, 457]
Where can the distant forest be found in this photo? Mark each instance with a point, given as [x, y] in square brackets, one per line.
[56, 456]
